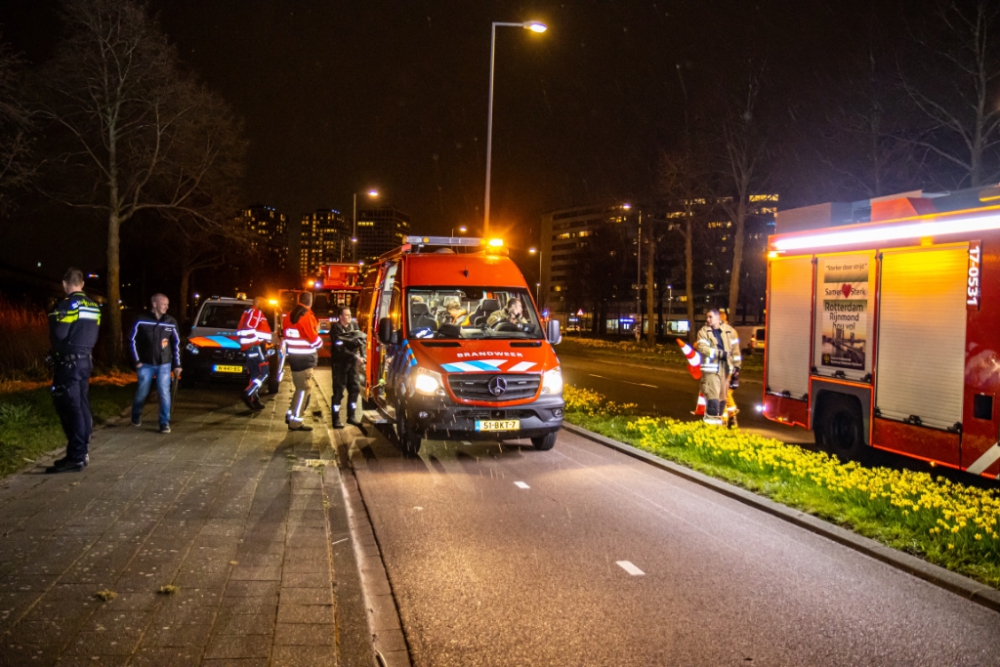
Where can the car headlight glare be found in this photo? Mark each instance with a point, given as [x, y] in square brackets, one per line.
[428, 382]
[552, 382]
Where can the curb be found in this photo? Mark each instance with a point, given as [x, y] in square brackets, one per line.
[935, 574]
[384, 625]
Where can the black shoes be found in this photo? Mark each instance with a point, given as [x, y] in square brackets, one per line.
[247, 400]
[337, 423]
[354, 421]
[62, 465]
[164, 428]
[301, 428]
[256, 404]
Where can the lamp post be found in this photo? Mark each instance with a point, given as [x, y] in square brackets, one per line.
[538, 285]
[670, 304]
[461, 230]
[354, 234]
[534, 26]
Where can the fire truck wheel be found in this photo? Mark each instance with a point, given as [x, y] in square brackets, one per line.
[840, 427]
[409, 441]
[544, 443]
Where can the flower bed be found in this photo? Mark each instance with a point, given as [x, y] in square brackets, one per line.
[947, 523]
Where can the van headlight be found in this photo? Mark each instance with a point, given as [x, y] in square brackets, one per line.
[552, 381]
[428, 382]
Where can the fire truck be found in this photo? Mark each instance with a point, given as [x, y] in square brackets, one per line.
[334, 286]
[456, 347]
[883, 326]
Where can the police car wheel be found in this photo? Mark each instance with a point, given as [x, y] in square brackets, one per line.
[544, 443]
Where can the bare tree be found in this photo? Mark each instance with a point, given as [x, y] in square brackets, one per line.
[958, 92]
[682, 181]
[742, 171]
[140, 135]
[16, 128]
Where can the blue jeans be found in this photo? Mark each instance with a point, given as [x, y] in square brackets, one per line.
[146, 373]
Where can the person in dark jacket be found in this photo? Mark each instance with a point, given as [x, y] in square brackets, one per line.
[73, 327]
[347, 346]
[156, 352]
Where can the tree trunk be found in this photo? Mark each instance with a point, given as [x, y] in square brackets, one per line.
[734, 277]
[689, 278]
[182, 305]
[113, 330]
[650, 272]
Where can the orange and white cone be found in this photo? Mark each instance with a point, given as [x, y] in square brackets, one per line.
[693, 359]
[700, 410]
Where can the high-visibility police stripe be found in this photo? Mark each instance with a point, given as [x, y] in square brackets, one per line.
[989, 457]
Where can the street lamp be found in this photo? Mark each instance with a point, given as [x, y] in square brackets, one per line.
[354, 235]
[534, 26]
[538, 285]
[461, 230]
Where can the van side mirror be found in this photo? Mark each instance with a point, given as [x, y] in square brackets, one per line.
[385, 333]
[554, 336]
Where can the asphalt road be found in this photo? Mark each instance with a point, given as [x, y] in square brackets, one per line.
[668, 392]
[501, 555]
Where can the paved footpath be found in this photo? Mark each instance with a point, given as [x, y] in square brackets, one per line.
[230, 508]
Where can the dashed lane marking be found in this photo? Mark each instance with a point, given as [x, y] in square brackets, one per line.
[640, 384]
[521, 485]
[630, 568]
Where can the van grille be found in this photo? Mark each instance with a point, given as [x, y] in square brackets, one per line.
[476, 386]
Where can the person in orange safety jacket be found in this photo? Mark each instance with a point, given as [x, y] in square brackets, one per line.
[301, 330]
[254, 333]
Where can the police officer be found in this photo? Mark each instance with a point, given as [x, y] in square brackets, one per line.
[720, 355]
[73, 326]
[255, 332]
[347, 342]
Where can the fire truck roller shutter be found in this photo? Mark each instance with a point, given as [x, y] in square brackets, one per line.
[921, 335]
[787, 317]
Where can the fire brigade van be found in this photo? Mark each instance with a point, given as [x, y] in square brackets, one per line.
[883, 326]
[448, 355]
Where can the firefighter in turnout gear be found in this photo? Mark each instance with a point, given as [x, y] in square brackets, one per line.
[720, 353]
[302, 340]
[255, 333]
[347, 347]
[73, 326]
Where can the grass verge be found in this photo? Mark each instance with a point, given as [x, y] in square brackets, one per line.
[29, 426]
[666, 355]
[944, 522]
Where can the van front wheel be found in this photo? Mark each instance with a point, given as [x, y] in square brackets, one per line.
[544, 443]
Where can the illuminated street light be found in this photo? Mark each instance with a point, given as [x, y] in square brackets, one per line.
[534, 26]
[461, 230]
[531, 251]
[354, 236]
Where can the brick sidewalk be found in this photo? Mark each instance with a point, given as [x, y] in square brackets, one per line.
[229, 508]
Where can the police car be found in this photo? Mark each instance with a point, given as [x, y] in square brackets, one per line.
[212, 350]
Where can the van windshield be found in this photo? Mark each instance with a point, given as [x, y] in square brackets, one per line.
[471, 312]
[221, 315]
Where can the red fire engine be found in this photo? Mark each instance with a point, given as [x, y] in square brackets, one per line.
[334, 286]
[901, 299]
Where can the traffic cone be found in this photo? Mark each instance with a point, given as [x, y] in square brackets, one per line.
[700, 410]
[693, 359]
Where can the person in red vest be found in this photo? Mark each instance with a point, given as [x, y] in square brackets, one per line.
[254, 333]
[302, 339]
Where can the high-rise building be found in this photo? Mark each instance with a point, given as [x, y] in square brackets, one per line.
[325, 238]
[380, 230]
[270, 234]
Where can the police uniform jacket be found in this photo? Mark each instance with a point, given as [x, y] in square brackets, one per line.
[716, 350]
[73, 325]
[156, 341]
[345, 341]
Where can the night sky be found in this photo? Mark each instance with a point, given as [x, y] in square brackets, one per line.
[341, 96]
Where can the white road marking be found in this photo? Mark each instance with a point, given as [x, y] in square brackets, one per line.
[521, 485]
[630, 568]
[640, 384]
[598, 376]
